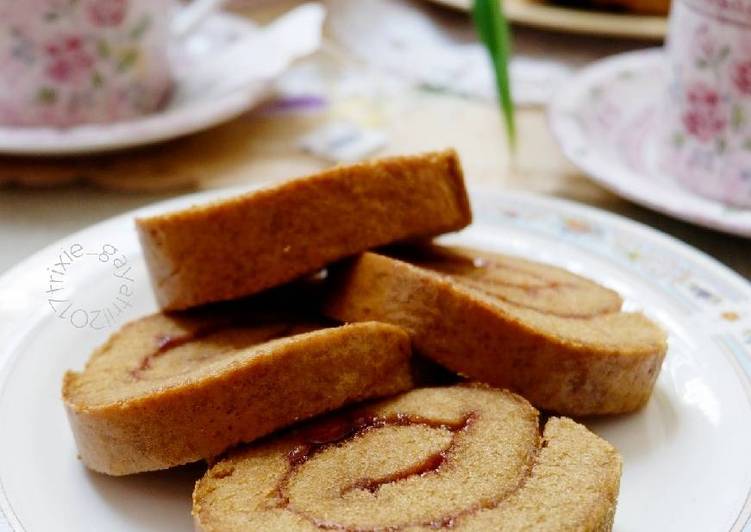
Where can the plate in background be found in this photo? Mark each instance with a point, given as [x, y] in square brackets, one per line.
[543, 15]
[686, 460]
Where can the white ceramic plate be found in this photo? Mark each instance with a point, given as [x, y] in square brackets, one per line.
[687, 460]
[606, 119]
[223, 68]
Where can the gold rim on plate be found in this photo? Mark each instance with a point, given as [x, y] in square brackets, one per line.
[539, 14]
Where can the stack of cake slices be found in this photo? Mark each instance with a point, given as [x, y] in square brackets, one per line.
[337, 370]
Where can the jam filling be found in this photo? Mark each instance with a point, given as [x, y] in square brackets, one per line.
[457, 266]
[167, 342]
[343, 429]
[340, 430]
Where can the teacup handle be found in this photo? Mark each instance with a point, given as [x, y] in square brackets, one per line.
[188, 17]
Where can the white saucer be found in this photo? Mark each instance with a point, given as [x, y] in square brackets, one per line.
[606, 120]
[687, 465]
[222, 69]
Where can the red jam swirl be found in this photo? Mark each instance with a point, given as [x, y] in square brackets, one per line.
[342, 429]
[167, 342]
[455, 264]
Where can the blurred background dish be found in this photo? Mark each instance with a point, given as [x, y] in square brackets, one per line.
[636, 19]
[607, 121]
[416, 81]
[644, 7]
[250, 57]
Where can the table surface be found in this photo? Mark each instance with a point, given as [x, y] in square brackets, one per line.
[260, 146]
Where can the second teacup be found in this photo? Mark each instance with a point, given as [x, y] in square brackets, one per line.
[708, 112]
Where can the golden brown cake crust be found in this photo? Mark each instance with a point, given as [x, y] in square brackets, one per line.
[240, 246]
[556, 338]
[465, 458]
[167, 390]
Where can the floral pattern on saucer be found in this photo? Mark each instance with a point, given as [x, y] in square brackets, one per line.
[607, 121]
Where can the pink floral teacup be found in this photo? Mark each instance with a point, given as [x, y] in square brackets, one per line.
[67, 62]
[708, 121]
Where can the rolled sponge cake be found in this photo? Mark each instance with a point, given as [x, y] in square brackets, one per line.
[240, 246]
[466, 457]
[558, 339]
[166, 390]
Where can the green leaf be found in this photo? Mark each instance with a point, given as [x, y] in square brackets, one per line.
[46, 95]
[97, 81]
[140, 28]
[493, 29]
[737, 117]
[720, 145]
[103, 49]
[127, 59]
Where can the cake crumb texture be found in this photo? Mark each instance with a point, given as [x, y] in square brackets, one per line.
[240, 246]
[466, 457]
[167, 390]
[558, 339]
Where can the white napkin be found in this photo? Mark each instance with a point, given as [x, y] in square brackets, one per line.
[244, 60]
